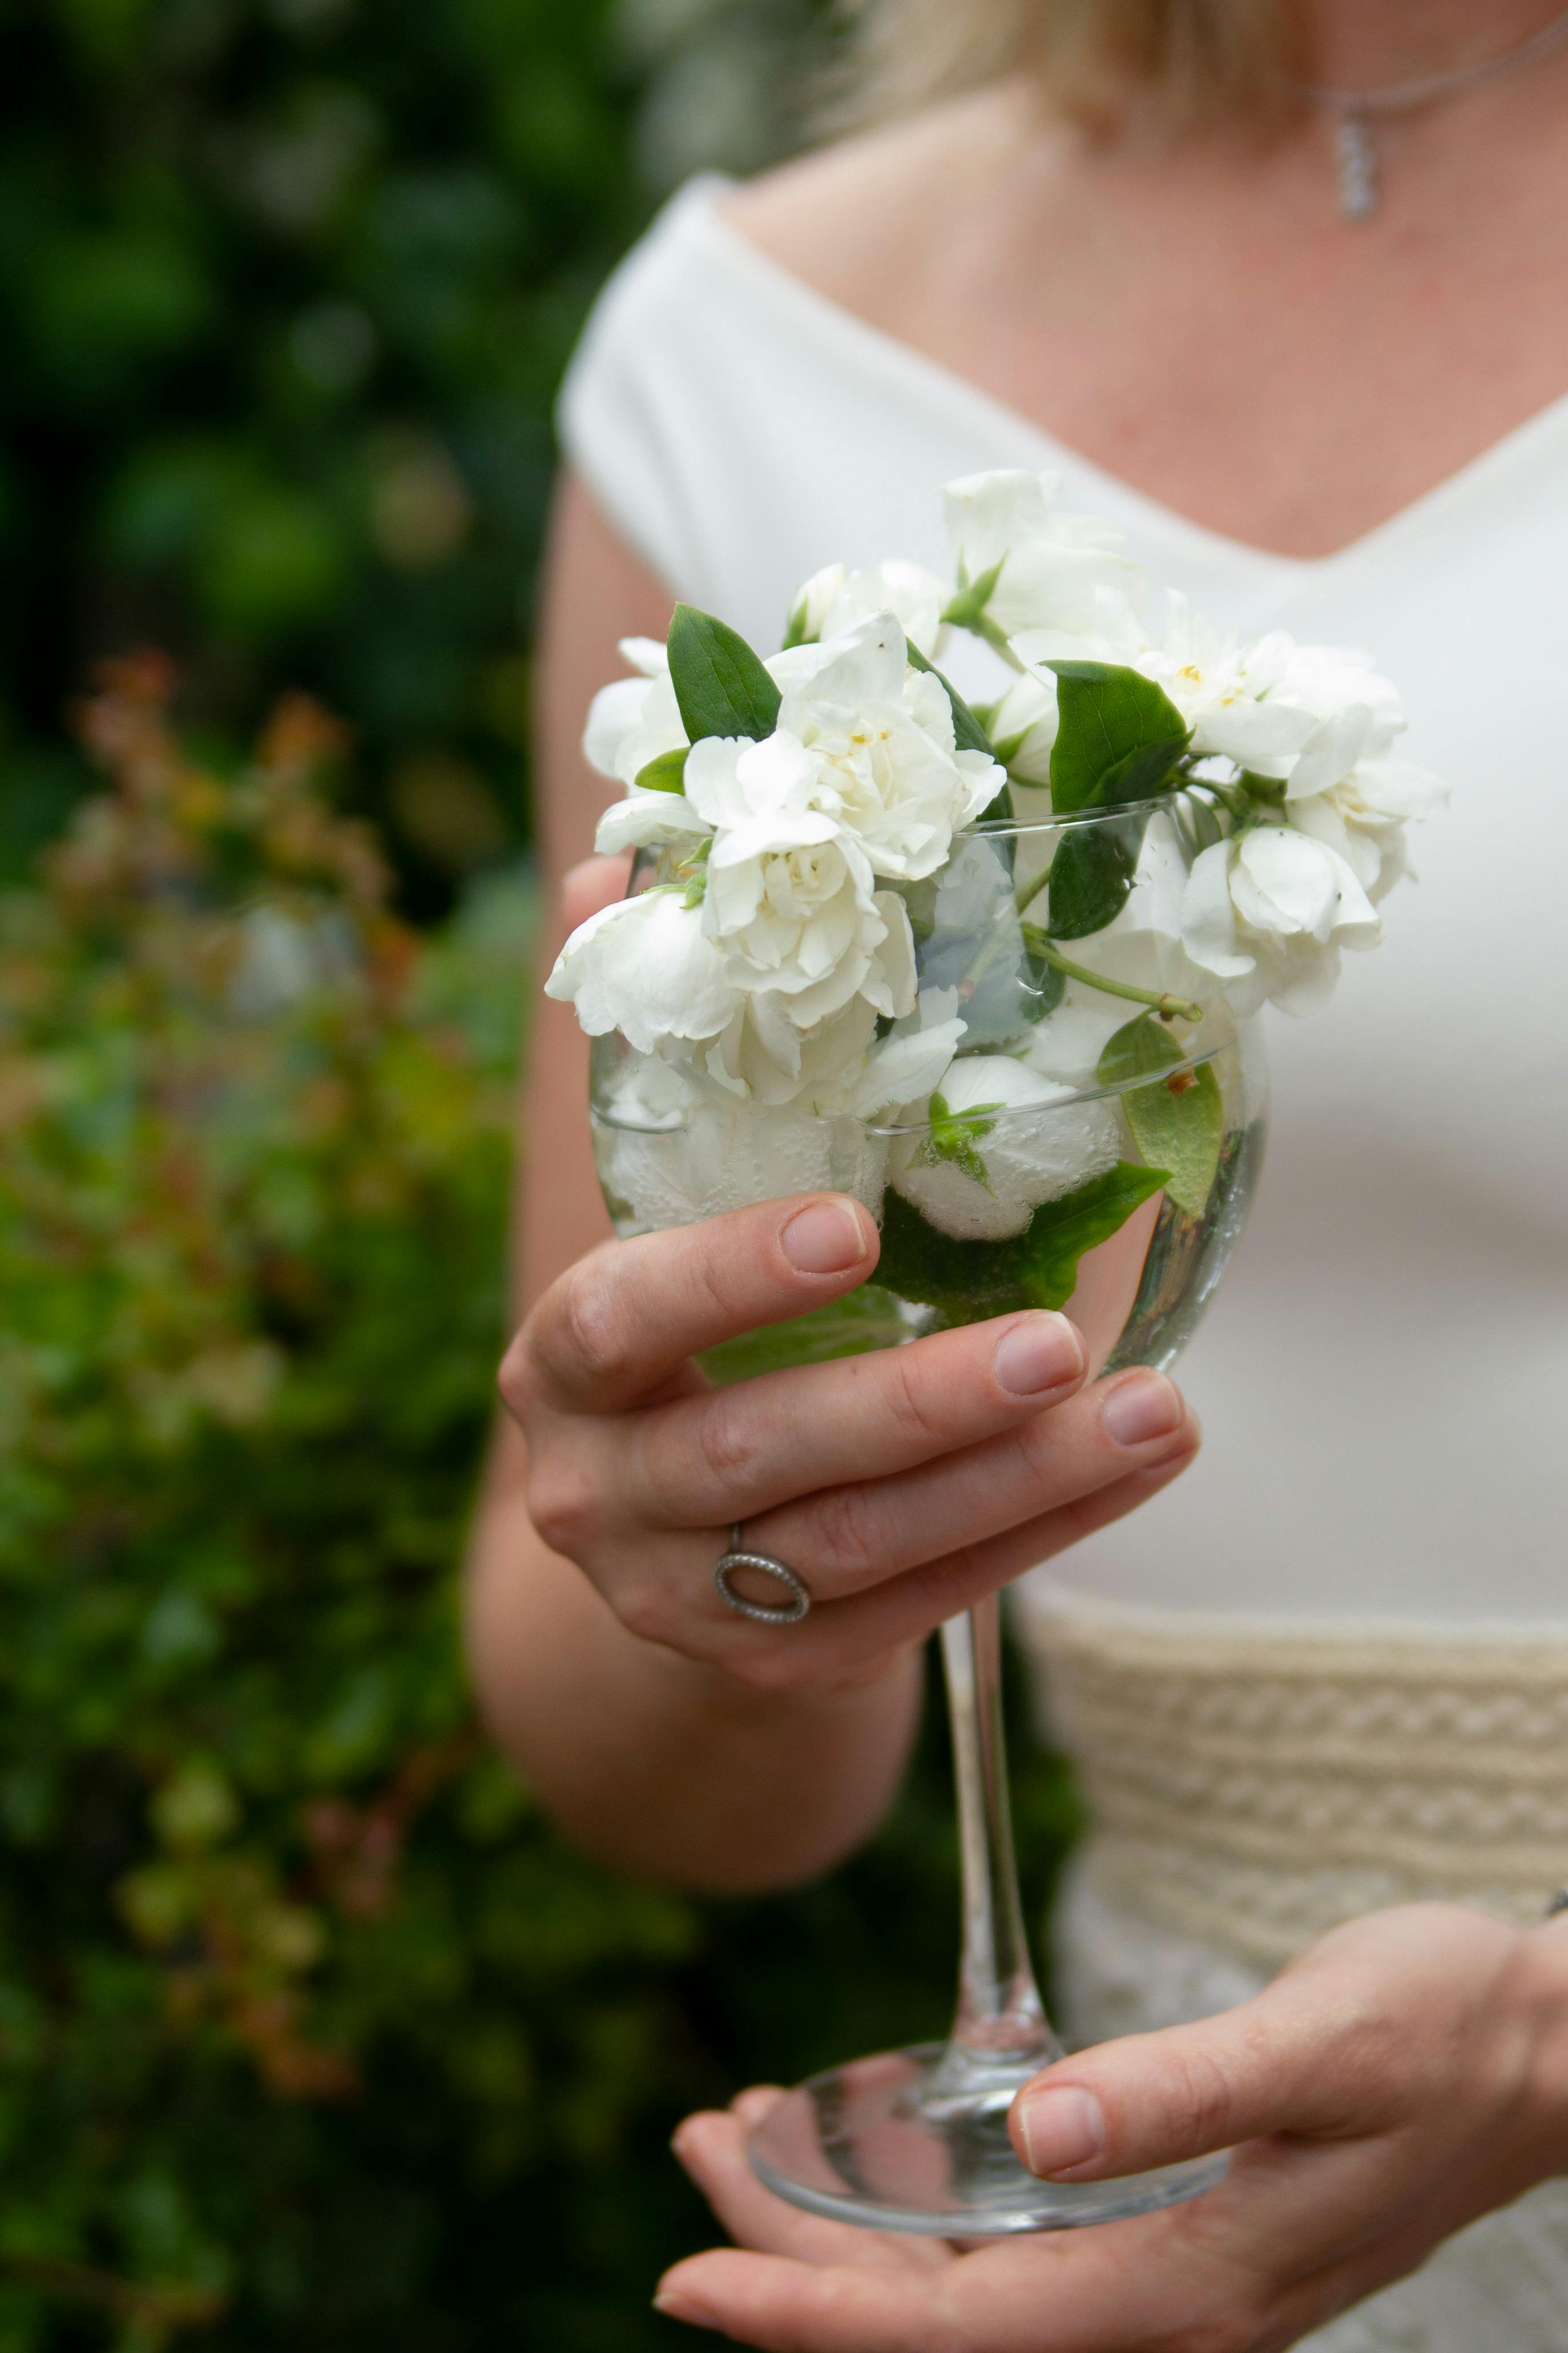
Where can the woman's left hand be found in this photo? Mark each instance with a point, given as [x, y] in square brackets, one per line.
[1407, 2074]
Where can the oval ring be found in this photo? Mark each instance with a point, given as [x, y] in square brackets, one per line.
[784, 1613]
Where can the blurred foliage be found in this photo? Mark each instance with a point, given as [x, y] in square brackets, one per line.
[286, 289]
[310, 2032]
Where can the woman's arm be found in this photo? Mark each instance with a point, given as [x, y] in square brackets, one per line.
[669, 1737]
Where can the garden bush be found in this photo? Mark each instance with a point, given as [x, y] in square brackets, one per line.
[286, 288]
[312, 2035]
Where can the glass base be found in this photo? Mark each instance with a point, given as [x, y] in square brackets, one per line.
[916, 2141]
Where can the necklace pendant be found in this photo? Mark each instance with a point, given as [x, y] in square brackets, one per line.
[1357, 159]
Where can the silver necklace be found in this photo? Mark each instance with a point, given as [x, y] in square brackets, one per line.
[1357, 111]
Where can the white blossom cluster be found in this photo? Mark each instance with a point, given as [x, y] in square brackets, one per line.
[1301, 868]
[767, 981]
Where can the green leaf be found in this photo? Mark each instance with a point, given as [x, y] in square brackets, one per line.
[721, 687]
[954, 1136]
[666, 774]
[1091, 875]
[971, 1281]
[967, 609]
[1118, 736]
[968, 733]
[1205, 825]
[1179, 1120]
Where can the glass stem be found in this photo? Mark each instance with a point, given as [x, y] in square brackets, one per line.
[1001, 2026]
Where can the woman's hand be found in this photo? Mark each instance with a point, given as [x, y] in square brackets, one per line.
[1407, 2074]
[902, 1486]
[899, 1485]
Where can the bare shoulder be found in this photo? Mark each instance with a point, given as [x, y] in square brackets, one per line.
[845, 217]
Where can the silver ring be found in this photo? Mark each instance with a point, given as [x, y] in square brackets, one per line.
[785, 1613]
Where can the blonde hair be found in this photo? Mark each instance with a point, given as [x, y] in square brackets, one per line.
[1186, 61]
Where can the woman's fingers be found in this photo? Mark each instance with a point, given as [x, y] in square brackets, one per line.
[702, 1461]
[843, 1640]
[620, 1322]
[593, 883]
[850, 1635]
[908, 1608]
[801, 2308]
[861, 1535]
[651, 1583]
[1122, 2287]
[1007, 1514]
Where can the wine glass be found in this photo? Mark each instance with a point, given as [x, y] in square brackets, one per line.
[1092, 1147]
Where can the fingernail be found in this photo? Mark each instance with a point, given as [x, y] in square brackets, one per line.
[1061, 2128]
[1143, 1406]
[827, 1238]
[676, 2306]
[1038, 1353]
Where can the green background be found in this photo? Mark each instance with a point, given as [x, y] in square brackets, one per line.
[312, 2033]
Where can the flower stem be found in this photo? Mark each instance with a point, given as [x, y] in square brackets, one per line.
[1170, 1007]
[995, 639]
[1038, 943]
[1027, 892]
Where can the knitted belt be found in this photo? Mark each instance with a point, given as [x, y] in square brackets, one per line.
[1252, 1783]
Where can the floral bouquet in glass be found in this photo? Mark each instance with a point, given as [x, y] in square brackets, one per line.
[989, 968]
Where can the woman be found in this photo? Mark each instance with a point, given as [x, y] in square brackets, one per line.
[1318, 1692]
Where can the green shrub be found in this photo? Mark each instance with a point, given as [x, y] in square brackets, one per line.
[286, 288]
[251, 1196]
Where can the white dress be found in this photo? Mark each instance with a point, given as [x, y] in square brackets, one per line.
[1329, 1668]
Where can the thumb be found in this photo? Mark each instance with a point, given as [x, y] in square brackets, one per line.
[1154, 2099]
[1375, 2013]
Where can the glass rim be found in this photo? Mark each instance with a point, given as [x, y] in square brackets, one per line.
[1010, 828]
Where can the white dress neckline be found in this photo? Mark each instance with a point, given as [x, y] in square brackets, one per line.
[917, 375]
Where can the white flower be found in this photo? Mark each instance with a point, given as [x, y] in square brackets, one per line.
[1269, 912]
[1363, 817]
[1228, 692]
[648, 820]
[881, 742]
[1030, 1140]
[643, 966]
[1024, 728]
[790, 902]
[1051, 565]
[637, 719]
[835, 598]
[903, 1068]
[728, 1155]
[765, 1055]
[1347, 789]
[1326, 680]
